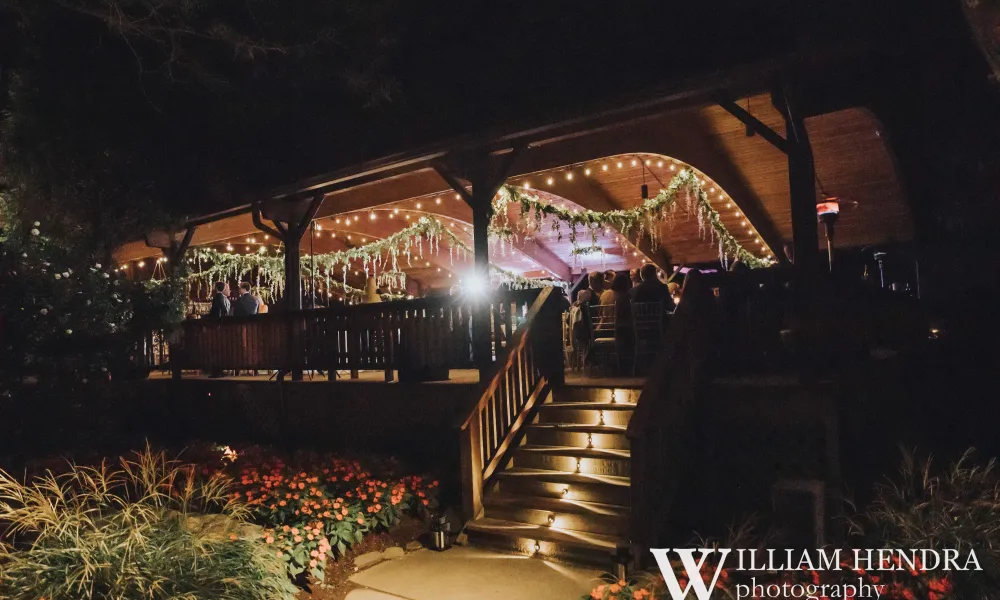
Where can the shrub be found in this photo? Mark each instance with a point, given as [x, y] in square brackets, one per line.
[147, 528]
[957, 507]
[316, 506]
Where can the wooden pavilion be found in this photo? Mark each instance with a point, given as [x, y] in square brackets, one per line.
[550, 468]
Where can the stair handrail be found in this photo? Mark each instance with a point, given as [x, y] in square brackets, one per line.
[659, 428]
[533, 362]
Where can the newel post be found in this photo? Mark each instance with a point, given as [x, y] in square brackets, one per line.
[472, 468]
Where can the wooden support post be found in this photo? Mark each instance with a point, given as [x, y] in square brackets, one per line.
[486, 176]
[291, 221]
[801, 183]
[482, 214]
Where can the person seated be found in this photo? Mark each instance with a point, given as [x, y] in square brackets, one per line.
[651, 289]
[623, 282]
[592, 293]
[634, 277]
[246, 305]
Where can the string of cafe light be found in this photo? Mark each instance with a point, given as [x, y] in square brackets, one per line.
[551, 178]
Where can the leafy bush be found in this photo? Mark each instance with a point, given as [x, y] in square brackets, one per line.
[316, 506]
[142, 529]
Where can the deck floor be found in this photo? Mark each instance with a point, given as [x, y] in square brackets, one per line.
[460, 376]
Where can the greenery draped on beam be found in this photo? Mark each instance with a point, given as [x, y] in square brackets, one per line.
[384, 258]
[644, 219]
[381, 259]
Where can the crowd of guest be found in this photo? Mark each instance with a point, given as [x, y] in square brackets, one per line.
[619, 290]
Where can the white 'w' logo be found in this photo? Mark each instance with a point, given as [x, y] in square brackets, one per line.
[702, 590]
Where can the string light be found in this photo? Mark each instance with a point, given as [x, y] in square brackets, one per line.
[659, 163]
[418, 206]
[229, 247]
[604, 167]
[569, 176]
[619, 164]
[371, 215]
[634, 162]
[458, 196]
[550, 181]
[586, 171]
[527, 185]
[142, 264]
[319, 227]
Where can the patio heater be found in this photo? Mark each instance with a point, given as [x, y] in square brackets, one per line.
[828, 211]
[880, 259]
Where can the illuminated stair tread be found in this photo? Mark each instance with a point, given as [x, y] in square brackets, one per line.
[580, 427]
[563, 477]
[556, 505]
[545, 534]
[574, 451]
[588, 405]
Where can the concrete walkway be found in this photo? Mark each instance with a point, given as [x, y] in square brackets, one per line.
[467, 573]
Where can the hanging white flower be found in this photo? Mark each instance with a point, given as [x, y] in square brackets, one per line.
[66, 274]
[37, 224]
[44, 311]
[97, 266]
[58, 276]
[35, 232]
[105, 275]
[69, 332]
[24, 255]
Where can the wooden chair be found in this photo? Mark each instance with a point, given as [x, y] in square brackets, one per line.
[602, 341]
[647, 323]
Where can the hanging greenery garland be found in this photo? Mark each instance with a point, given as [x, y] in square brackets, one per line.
[384, 259]
[684, 190]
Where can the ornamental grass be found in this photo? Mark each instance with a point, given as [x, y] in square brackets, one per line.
[145, 528]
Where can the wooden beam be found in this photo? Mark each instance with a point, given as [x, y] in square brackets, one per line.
[801, 181]
[754, 124]
[545, 257]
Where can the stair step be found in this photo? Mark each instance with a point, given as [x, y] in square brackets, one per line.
[558, 505]
[589, 405]
[566, 394]
[579, 427]
[564, 458]
[608, 453]
[543, 434]
[563, 477]
[600, 524]
[552, 542]
[585, 413]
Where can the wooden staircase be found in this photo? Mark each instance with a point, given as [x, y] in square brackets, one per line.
[564, 492]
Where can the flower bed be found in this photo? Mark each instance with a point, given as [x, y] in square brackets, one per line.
[314, 506]
[907, 584]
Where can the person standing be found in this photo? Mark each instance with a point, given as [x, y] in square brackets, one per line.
[220, 302]
[246, 304]
[221, 308]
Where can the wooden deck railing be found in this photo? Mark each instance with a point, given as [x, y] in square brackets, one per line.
[520, 381]
[659, 431]
[419, 338]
